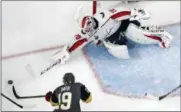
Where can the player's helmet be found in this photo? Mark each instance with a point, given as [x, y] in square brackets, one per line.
[68, 78]
[89, 24]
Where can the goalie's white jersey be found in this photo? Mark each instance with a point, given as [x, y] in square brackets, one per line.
[108, 23]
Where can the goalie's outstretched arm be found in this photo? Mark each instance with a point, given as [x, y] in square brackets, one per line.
[77, 43]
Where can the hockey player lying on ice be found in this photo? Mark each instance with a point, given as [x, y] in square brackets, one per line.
[112, 28]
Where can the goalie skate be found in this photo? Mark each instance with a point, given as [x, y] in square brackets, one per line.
[166, 40]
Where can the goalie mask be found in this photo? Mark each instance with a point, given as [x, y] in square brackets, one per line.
[89, 24]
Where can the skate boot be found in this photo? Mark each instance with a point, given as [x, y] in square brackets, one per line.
[166, 40]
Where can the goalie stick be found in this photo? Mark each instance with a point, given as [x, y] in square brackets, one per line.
[51, 66]
[18, 105]
[59, 60]
[25, 97]
[165, 95]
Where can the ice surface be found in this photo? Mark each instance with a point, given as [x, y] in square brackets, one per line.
[151, 69]
[31, 25]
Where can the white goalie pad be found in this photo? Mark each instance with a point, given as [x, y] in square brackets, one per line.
[119, 51]
[139, 14]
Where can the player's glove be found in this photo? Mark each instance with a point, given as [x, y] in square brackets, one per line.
[139, 14]
[48, 96]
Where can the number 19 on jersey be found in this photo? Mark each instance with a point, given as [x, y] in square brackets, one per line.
[65, 100]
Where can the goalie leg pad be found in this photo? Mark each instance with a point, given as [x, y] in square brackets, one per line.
[146, 36]
[137, 34]
[119, 51]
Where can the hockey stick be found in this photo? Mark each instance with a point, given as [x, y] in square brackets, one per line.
[20, 106]
[58, 61]
[25, 97]
[51, 66]
[164, 96]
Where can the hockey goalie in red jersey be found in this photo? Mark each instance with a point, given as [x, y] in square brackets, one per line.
[113, 28]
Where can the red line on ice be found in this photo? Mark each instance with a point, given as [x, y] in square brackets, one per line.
[96, 75]
[29, 52]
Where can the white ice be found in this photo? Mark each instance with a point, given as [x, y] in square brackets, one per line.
[30, 25]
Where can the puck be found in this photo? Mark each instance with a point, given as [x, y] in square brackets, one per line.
[146, 94]
[10, 82]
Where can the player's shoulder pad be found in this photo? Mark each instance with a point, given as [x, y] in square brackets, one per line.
[58, 88]
[78, 83]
